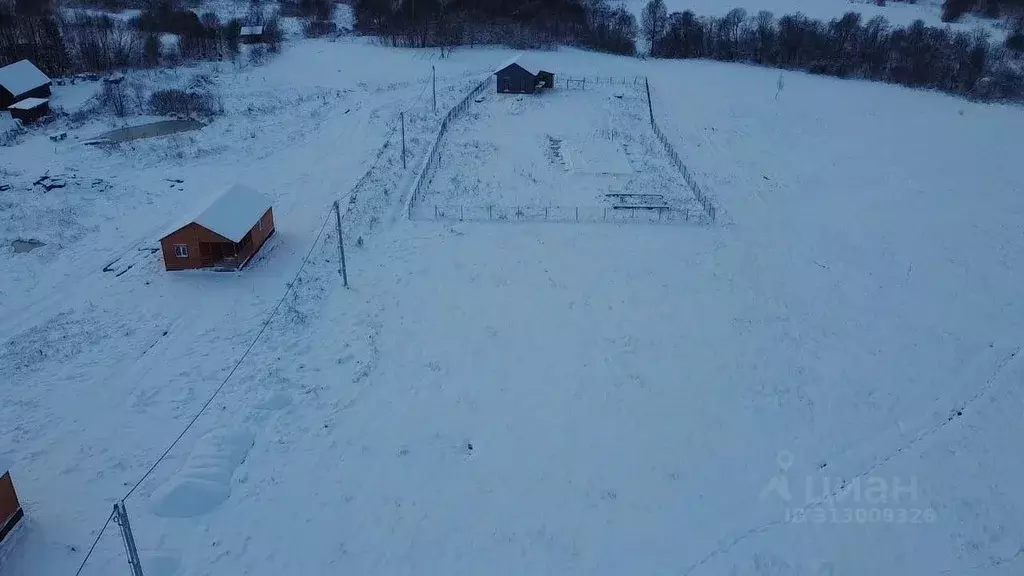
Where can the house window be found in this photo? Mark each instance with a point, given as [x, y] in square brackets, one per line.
[181, 250]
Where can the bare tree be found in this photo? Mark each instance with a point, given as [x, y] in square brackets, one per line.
[653, 21]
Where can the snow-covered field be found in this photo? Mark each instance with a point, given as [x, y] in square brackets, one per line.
[541, 151]
[540, 398]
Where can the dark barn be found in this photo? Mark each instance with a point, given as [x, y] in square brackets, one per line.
[22, 80]
[29, 109]
[224, 236]
[518, 77]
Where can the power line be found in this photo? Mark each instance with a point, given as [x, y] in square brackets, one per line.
[234, 368]
[94, 543]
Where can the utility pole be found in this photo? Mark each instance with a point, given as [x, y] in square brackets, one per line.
[121, 517]
[402, 114]
[650, 108]
[341, 243]
[433, 80]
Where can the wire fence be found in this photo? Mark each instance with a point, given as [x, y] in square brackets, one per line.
[366, 209]
[709, 208]
[587, 214]
[430, 160]
[581, 82]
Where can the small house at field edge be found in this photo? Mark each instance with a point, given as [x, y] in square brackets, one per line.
[10, 508]
[224, 236]
[521, 76]
[251, 34]
[29, 109]
[22, 80]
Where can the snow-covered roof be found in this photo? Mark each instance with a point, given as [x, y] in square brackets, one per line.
[251, 31]
[28, 104]
[5, 465]
[22, 77]
[231, 214]
[527, 62]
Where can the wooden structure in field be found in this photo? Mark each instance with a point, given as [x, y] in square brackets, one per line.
[224, 236]
[520, 76]
[10, 507]
[22, 80]
[30, 109]
[251, 34]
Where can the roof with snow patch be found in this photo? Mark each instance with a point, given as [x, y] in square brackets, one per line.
[22, 77]
[28, 104]
[251, 31]
[233, 213]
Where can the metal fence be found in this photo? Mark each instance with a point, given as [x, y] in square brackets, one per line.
[494, 213]
[580, 82]
[709, 208]
[430, 160]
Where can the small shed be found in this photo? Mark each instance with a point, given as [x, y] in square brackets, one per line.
[521, 76]
[22, 80]
[29, 109]
[251, 34]
[10, 507]
[225, 235]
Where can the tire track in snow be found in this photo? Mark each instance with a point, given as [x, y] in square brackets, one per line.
[955, 415]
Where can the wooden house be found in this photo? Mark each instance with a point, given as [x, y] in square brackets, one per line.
[225, 235]
[10, 507]
[22, 80]
[29, 109]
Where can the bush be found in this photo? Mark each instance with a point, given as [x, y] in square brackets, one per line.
[952, 10]
[319, 28]
[175, 102]
[231, 34]
[272, 33]
[114, 99]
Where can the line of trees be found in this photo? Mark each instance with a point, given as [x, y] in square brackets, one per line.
[916, 55]
[952, 10]
[518, 23]
[63, 44]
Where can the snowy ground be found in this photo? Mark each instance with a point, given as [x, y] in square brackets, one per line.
[539, 151]
[541, 398]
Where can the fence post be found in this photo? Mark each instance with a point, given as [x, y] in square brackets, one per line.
[462, 212]
[402, 115]
[121, 517]
[341, 242]
[577, 213]
[650, 108]
[433, 80]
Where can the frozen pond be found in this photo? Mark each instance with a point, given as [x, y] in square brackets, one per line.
[151, 130]
[21, 246]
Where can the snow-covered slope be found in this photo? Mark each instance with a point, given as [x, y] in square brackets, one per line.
[822, 383]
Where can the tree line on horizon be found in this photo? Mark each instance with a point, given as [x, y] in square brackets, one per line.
[918, 56]
[593, 24]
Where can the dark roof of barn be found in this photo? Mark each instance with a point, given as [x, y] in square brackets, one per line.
[525, 62]
[22, 77]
